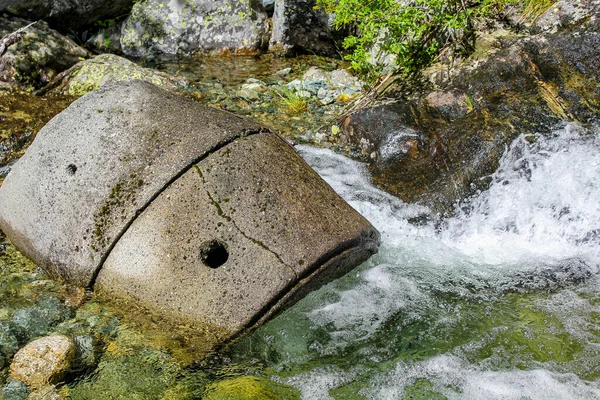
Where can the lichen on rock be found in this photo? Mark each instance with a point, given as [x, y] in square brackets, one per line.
[37, 56]
[92, 74]
[160, 26]
[43, 361]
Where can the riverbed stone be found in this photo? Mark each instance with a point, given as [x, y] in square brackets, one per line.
[249, 388]
[43, 361]
[15, 390]
[67, 13]
[38, 56]
[197, 214]
[300, 27]
[103, 69]
[173, 27]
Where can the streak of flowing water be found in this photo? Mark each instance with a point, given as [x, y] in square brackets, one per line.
[499, 302]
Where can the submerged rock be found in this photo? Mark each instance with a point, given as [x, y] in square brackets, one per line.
[173, 27]
[94, 73]
[38, 56]
[249, 388]
[195, 213]
[43, 361]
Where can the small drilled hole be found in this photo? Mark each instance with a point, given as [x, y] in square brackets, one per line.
[71, 169]
[214, 253]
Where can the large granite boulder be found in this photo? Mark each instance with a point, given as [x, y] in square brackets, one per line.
[192, 212]
[175, 26]
[96, 72]
[67, 13]
[300, 27]
[38, 55]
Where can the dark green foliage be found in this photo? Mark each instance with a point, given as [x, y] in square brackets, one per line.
[407, 35]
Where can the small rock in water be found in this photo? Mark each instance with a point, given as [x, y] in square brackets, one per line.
[316, 74]
[254, 86]
[326, 101]
[283, 72]
[305, 94]
[45, 393]
[15, 390]
[247, 94]
[43, 361]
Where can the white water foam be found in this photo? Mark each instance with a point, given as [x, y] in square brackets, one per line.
[537, 227]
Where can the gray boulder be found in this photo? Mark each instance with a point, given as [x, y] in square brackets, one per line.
[38, 55]
[156, 26]
[96, 72]
[192, 212]
[67, 13]
[300, 28]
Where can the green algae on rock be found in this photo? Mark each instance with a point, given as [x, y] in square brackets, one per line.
[249, 388]
[94, 73]
[38, 56]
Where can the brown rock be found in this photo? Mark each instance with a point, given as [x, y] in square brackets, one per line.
[43, 361]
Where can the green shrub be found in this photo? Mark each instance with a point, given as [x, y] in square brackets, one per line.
[411, 32]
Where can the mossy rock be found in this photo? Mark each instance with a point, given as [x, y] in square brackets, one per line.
[156, 26]
[37, 56]
[249, 388]
[90, 75]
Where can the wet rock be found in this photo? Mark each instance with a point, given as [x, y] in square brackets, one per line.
[15, 390]
[38, 56]
[155, 26]
[197, 214]
[43, 361]
[436, 147]
[94, 73]
[249, 387]
[67, 13]
[298, 27]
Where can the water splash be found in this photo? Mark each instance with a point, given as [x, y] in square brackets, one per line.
[498, 302]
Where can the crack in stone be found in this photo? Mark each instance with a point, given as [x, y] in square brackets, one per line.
[226, 217]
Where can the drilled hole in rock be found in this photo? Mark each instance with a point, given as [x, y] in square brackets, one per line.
[71, 169]
[213, 253]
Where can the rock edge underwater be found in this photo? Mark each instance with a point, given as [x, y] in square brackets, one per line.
[195, 213]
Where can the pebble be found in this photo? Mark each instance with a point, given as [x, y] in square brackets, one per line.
[43, 361]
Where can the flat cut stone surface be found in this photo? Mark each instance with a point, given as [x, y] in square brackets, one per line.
[278, 220]
[93, 167]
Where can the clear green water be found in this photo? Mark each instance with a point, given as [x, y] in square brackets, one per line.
[500, 302]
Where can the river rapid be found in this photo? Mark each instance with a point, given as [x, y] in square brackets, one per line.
[498, 302]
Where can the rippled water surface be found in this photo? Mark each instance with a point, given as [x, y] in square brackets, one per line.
[499, 302]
